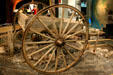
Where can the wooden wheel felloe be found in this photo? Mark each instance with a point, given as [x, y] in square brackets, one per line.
[63, 46]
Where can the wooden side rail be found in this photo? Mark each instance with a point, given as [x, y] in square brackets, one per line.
[6, 37]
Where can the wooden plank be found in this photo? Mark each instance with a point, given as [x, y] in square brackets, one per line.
[95, 34]
[5, 29]
[98, 45]
[2, 44]
[99, 40]
[3, 35]
[10, 42]
[8, 28]
[18, 27]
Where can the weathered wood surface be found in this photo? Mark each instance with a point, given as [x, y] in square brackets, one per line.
[5, 29]
[6, 37]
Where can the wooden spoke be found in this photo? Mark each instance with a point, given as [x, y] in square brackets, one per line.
[29, 48]
[68, 23]
[46, 27]
[54, 20]
[80, 43]
[74, 47]
[72, 40]
[56, 62]
[74, 34]
[77, 41]
[44, 48]
[42, 34]
[55, 27]
[44, 56]
[77, 32]
[71, 29]
[70, 54]
[52, 14]
[64, 58]
[40, 42]
[61, 24]
[49, 59]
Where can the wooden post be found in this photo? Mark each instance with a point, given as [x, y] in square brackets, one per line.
[95, 45]
[10, 43]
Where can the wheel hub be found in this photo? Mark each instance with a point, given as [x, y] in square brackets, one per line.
[59, 42]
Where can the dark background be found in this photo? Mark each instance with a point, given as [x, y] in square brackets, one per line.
[2, 11]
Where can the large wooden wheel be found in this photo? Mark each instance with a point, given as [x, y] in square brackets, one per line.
[63, 42]
[21, 19]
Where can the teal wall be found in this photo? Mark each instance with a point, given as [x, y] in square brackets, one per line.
[99, 12]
